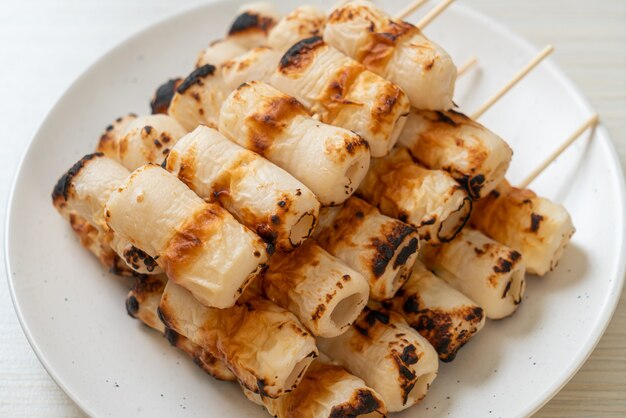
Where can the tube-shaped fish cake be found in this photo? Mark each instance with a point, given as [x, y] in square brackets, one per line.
[259, 194]
[108, 143]
[263, 345]
[535, 226]
[430, 200]
[326, 391]
[199, 97]
[83, 190]
[439, 312]
[220, 51]
[252, 24]
[331, 161]
[489, 273]
[476, 157]
[341, 92]
[142, 303]
[144, 139]
[323, 292]
[163, 95]
[303, 22]
[389, 355]
[381, 248]
[199, 245]
[396, 50]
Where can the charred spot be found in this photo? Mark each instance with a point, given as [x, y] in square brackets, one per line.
[472, 184]
[443, 118]
[195, 77]
[386, 250]
[506, 289]
[163, 317]
[346, 277]
[294, 55]
[430, 221]
[364, 403]
[247, 21]
[503, 266]
[476, 313]
[405, 253]
[429, 65]
[373, 316]
[282, 203]
[411, 305]
[319, 311]
[260, 384]
[270, 248]
[298, 192]
[409, 355]
[403, 217]
[148, 129]
[163, 96]
[109, 128]
[61, 189]
[132, 305]
[535, 220]
[359, 214]
[275, 219]
[171, 336]
[257, 254]
[266, 232]
[361, 330]
[479, 251]
[495, 194]
[514, 256]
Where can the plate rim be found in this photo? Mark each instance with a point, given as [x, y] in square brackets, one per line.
[554, 388]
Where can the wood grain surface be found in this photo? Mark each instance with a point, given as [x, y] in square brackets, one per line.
[45, 45]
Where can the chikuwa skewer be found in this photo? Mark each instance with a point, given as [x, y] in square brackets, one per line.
[516, 79]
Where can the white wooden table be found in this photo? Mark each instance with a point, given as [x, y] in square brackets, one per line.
[45, 45]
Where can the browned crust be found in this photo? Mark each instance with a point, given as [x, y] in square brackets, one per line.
[163, 96]
[383, 113]
[143, 288]
[300, 55]
[61, 190]
[248, 22]
[196, 77]
[137, 259]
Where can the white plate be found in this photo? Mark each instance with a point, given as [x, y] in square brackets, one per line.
[73, 313]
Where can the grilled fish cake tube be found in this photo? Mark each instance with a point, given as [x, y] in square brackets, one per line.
[263, 345]
[199, 245]
[142, 303]
[381, 248]
[83, 191]
[146, 139]
[163, 95]
[303, 22]
[440, 313]
[326, 391]
[331, 161]
[325, 294]
[489, 273]
[396, 50]
[535, 226]
[389, 355]
[476, 157]
[199, 97]
[253, 24]
[341, 92]
[430, 200]
[259, 194]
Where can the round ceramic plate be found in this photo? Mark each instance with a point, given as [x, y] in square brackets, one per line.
[73, 312]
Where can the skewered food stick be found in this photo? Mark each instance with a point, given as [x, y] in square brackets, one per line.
[275, 125]
[327, 390]
[476, 157]
[249, 30]
[199, 245]
[142, 303]
[396, 50]
[516, 79]
[325, 294]
[341, 92]
[160, 101]
[432, 15]
[410, 8]
[259, 194]
[83, 190]
[489, 273]
[382, 249]
[263, 345]
[589, 123]
[535, 226]
[472, 61]
[439, 312]
[303, 22]
[199, 97]
[389, 355]
[135, 141]
[430, 200]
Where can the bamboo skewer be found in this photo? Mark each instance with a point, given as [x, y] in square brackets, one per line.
[430, 16]
[410, 9]
[590, 123]
[466, 66]
[519, 76]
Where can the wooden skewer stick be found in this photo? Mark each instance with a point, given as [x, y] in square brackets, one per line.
[410, 9]
[465, 67]
[430, 16]
[590, 123]
[519, 76]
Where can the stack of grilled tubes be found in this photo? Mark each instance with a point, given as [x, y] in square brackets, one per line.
[234, 206]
